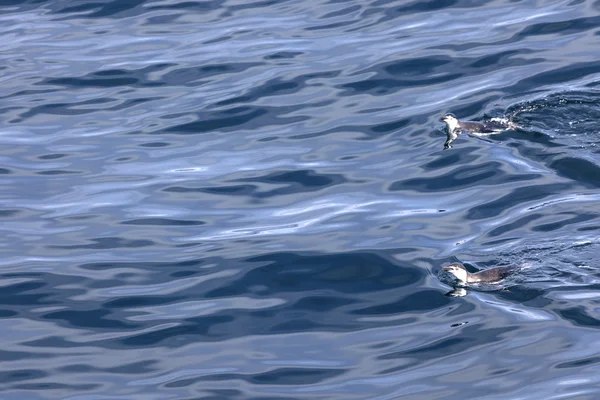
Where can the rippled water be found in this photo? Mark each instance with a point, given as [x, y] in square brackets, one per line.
[230, 199]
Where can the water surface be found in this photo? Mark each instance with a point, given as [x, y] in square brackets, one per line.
[250, 199]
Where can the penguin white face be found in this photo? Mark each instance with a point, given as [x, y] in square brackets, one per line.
[450, 120]
[458, 271]
[448, 117]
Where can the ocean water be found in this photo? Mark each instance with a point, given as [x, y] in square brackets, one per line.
[241, 199]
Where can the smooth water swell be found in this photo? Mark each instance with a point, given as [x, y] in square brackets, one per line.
[250, 200]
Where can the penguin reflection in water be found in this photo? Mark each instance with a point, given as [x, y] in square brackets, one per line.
[464, 278]
[454, 127]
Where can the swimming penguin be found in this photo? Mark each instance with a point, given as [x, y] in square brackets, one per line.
[454, 127]
[492, 275]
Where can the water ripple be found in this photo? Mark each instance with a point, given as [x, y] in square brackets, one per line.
[226, 199]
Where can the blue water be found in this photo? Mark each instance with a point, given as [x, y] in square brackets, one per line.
[237, 199]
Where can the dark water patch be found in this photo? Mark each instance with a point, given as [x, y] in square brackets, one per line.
[243, 190]
[464, 176]
[449, 158]
[460, 177]
[8, 213]
[387, 77]
[27, 93]
[295, 182]
[22, 375]
[228, 120]
[283, 55]
[104, 266]
[516, 197]
[24, 293]
[52, 156]
[424, 300]
[183, 274]
[107, 243]
[567, 73]
[94, 319]
[155, 144]
[53, 342]
[22, 2]
[431, 5]
[473, 335]
[254, 4]
[532, 297]
[579, 316]
[344, 273]
[414, 66]
[132, 103]
[112, 78]
[7, 314]
[518, 223]
[7, 355]
[582, 171]
[56, 386]
[112, 9]
[502, 58]
[162, 221]
[65, 108]
[277, 86]
[295, 376]
[59, 172]
[583, 362]
[575, 219]
[447, 347]
[123, 159]
[279, 376]
[366, 133]
[392, 10]
[142, 301]
[381, 87]
[91, 82]
[562, 28]
[342, 12]
[188, 5]
[195, 76]
[389, 126]
[557, 28]
[306, 313]
[137, 368]
[271, 88]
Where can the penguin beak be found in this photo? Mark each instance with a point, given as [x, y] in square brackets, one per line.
[442, 118]
[448, 268]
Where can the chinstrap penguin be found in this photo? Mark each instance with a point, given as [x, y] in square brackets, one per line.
[488, 276]
[454, 127]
